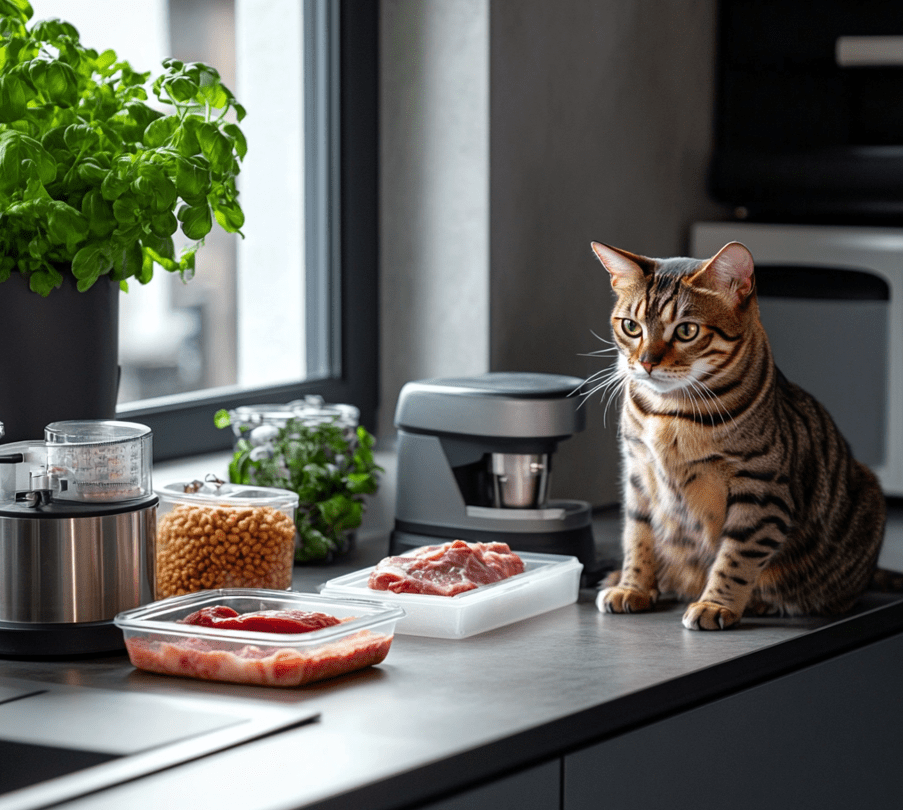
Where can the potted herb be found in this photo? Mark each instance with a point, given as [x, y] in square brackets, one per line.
[94, 178]
[94, 183]
[330, 467]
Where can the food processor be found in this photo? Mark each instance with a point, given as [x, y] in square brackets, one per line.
[475, 462]
[77, 527]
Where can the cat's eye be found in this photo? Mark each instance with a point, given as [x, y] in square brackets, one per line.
[631, 328]
[686, 331]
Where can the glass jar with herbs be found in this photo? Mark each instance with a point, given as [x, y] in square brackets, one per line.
[316, 450]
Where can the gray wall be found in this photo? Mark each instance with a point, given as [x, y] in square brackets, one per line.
[434, 206]
[514, 133]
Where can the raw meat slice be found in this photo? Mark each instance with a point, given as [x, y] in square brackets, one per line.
[446, 570]
[261, 621]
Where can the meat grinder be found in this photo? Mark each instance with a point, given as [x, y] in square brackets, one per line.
[475, 461]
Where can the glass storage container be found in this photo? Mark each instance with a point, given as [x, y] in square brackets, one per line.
[219, 535]
[260, 423]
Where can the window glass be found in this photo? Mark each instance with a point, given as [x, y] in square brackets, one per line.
[240, 323]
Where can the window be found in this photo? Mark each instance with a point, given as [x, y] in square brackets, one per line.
[290, 309]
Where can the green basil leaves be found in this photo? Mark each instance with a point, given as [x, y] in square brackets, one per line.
[331, 468]
[93, 175]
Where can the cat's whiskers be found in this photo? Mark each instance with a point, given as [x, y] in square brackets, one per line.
[612, 394]
[610, 381]
[687, 396]
[602, 372]
[607, 380]
[708, 398]
[602, 339]
[610, 348]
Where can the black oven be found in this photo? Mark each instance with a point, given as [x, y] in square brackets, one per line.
[809, 109]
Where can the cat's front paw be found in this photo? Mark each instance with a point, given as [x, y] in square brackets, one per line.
[709, 616]
[623, 600]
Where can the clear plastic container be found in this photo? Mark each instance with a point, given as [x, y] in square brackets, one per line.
[221, 535]
[156, 642]
[84, 461]
[104, 460]
[549, 581]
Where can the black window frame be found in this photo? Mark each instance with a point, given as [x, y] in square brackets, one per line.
[183, 425]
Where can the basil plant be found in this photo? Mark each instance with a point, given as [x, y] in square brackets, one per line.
[94, 180]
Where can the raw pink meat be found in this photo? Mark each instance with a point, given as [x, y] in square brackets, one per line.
[215, 661]
[446, 570]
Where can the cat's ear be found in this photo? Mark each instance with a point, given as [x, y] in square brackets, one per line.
[623, 267]
[729, 272]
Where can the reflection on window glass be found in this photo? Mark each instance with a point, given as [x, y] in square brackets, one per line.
[240, 321]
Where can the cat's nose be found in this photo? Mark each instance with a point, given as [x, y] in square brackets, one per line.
[652, 355]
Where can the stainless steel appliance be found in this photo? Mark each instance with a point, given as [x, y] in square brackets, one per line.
[475, 459]
[77, 527]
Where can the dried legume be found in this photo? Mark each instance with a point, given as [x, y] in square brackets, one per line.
[203, 547]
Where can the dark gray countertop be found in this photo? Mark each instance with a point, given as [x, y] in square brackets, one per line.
[438, 714]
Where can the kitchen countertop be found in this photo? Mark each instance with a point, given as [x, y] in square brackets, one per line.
[438, 715]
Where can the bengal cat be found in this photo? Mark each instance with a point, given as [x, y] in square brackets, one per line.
[739, 492]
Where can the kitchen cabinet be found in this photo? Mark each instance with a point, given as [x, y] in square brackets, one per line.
[537, 788]
[825, 736]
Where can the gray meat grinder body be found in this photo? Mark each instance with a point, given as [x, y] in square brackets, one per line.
[474, 461]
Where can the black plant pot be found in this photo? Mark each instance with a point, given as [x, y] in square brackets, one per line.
[59, 356]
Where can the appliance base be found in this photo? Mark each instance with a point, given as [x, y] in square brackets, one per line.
[59, 640]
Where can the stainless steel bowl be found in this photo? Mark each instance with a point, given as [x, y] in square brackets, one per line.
[520, 481]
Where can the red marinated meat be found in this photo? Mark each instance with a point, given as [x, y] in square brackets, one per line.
[210, 616]
[262, 621]
[446, 570]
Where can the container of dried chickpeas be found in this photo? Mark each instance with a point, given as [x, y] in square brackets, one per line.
[219, 535]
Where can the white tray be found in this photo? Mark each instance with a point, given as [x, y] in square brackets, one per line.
[549, 581]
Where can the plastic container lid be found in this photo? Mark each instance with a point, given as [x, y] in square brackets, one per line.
[91, 432]
[213, 492]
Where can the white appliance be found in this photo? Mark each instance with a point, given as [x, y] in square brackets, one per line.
[831, 299]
